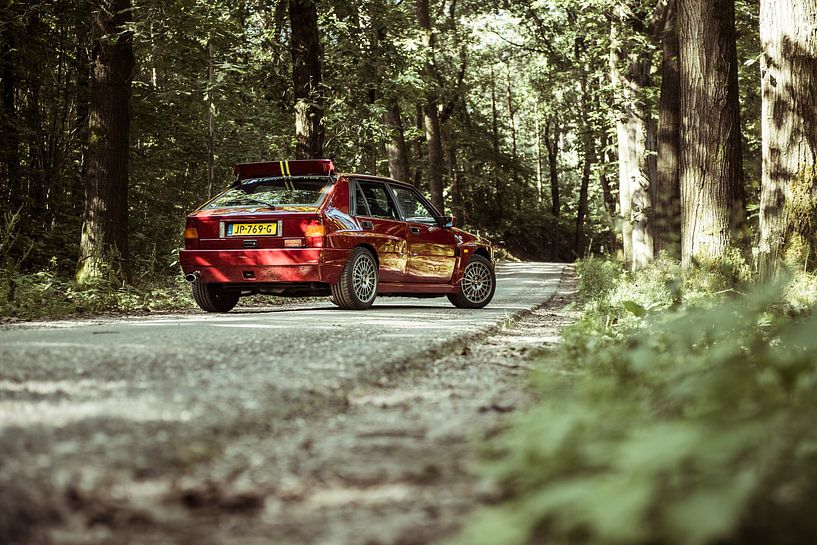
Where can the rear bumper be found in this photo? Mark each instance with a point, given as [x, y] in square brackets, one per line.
[266, 265]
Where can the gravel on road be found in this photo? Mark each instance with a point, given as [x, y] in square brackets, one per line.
[291, 424]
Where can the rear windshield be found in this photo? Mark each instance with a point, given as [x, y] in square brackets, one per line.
[272, 192]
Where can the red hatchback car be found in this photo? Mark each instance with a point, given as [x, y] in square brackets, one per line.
[296, 228]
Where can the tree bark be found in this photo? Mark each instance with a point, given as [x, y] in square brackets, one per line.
[396, 150]
[418, 145]
[538, 129]
[668, 189]
[211, 119]
[104, 241]
[305, 48]
[552, 147]
[588, 159]
[632, 126]
[430, 113]
[10, 137]
[514, 146]
[712, 207]
[788, 197]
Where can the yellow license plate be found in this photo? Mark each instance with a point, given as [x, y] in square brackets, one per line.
[252, 229]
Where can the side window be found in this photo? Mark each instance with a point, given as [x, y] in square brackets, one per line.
[361, 206]
[378, 199]
[413, 208]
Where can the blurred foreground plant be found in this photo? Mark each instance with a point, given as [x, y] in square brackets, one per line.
[690, 424]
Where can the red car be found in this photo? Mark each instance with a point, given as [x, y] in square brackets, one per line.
[296, 228]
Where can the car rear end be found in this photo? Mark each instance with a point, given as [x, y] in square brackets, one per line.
[266, 233]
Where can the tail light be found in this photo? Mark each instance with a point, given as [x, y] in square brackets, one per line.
[314, 233]
[191, 237]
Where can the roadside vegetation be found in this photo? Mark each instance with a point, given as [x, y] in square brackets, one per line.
[679, 409]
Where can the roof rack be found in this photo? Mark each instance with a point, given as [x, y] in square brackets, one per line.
[307, 167]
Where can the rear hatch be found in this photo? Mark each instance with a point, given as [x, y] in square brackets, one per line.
[268, 212]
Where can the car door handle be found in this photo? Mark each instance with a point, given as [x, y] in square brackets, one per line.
[415, 230]
[367, 224]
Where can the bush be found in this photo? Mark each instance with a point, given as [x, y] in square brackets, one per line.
[689, 424]
[45, 294]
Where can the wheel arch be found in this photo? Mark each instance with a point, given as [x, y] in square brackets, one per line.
[371, 249]
[483, 251]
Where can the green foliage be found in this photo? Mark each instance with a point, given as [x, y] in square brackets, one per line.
[690, 423]
[46, 294]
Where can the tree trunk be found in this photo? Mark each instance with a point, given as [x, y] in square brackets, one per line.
[712, 207]
[104, 241]
[514, 146]
[632, 126]
[418, 146]
[211, 119]
[396, 149]
[430, 114]
[305, 47]
[538, 129]
[788, 197]
[10, 139]
[552, 147]
[668, 189]
[589, 158]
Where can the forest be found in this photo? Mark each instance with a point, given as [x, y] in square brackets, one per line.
[558, 128]
[667, 148]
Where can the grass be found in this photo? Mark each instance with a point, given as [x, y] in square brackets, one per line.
[679, 409]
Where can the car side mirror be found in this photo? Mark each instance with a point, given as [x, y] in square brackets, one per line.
[447, 222]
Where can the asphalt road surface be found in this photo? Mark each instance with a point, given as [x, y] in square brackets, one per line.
[88, 404]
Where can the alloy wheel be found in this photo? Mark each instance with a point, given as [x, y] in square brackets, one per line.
[364, 278]
[477, 282]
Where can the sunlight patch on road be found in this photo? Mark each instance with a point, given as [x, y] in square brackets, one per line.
[26, 413]
[338, 496]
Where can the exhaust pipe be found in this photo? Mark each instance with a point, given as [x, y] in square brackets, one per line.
[192, 277]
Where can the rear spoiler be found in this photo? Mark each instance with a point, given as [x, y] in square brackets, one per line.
[310, 167]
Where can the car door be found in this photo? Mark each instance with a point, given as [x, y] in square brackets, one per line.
[431, 248]
[381, 225]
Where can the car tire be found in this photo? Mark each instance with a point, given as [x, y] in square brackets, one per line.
[356, 288]
[213, 298]
[477, 285]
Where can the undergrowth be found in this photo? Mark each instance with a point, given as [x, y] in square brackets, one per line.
[46, 294]
[679, 409]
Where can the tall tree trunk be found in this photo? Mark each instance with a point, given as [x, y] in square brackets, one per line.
[211, 119]
[453, 174]
[82, 93]
[788, 197]
[10, 139]
[606, 191]
[418, 146]
[514, 146]
[552, 147]
[589, 158]
[632, 127]
[712, 206]
[305, 48]
[668, 189]
[430, 113]
[538, 129]
[396, 150]
[105, 229]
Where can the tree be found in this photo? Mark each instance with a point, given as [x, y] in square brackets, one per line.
[305, 48]
[396, 149]
[712, 208]
[788, 203]
[104, 240]
[668, 189]
[431, 120]
[633, 121]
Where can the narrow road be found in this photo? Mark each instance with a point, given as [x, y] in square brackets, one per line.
[100, 420]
